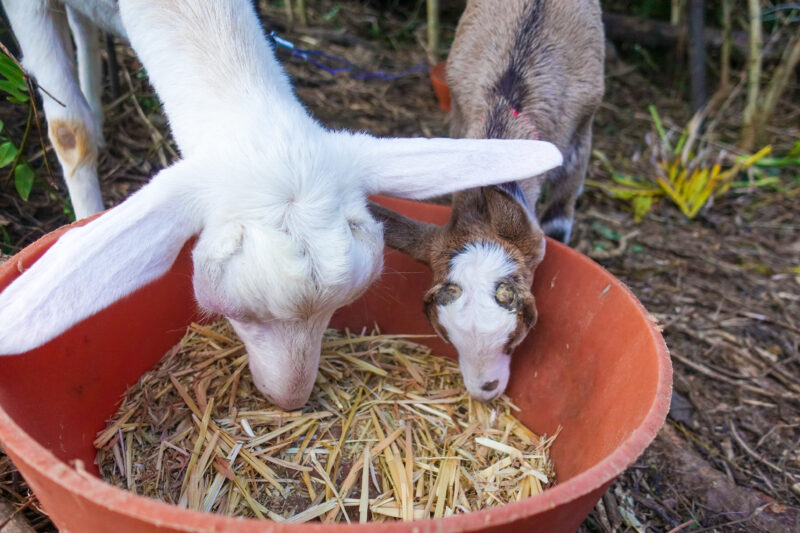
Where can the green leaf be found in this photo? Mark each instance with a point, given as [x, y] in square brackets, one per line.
[15, 95]
[659, 127]
[641, 205]
[18, 100]
[67, 207]
[332, 13]
[628, 181]
[1, 125]
[5, 247]
[23, 180]
[11, 71]
[7, 153]
[606, 232]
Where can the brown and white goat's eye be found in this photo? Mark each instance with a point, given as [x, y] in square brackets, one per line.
[449, 293]
[505, 295]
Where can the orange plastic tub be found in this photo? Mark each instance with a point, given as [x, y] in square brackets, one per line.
[595, 364]
[440, 87]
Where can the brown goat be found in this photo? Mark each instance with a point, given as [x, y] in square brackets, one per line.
[518, 69]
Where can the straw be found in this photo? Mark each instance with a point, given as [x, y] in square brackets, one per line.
[388, 434]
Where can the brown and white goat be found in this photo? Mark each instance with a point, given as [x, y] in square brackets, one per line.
[518, 69]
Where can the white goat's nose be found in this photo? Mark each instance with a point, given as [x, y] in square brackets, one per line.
[284, 358]
[289, 393]
[490, 386]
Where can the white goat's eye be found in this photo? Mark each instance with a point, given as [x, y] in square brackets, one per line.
[449, 293]
[505, 295]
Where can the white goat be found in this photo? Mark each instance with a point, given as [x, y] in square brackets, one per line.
[522, 69]
[75, 121]
[278, 203]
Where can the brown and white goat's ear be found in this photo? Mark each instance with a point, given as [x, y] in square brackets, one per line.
[91, 267]
[423, 168]
[404, 234]
[511, 220]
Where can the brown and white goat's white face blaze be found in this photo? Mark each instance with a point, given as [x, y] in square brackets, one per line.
[483, 307]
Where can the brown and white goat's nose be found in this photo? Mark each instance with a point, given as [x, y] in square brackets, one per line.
[485, 376]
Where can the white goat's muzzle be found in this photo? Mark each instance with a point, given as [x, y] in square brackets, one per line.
[284, 359]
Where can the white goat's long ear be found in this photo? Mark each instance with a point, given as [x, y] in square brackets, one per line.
[93, 266]
[422, 168]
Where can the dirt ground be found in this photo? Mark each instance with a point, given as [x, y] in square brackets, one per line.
[724, 286]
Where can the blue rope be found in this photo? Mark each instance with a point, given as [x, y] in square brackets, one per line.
[329, 63]
[771, 14]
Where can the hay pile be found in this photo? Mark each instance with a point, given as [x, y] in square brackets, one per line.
[196, 432]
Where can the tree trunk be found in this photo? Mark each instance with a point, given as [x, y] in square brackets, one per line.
[725, 50]
[697, 54]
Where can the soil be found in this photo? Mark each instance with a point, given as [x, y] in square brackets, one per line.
[725, 286]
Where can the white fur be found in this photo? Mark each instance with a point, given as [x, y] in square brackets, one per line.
[558, 225]
[405, 165]
[476, 325]
[90, 67]
[119, 252]
[103, 13]
[278, 202]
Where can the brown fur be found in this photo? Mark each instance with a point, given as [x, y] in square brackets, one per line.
[543, 59]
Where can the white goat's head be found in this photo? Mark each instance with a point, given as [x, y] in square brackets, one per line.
[278, 203]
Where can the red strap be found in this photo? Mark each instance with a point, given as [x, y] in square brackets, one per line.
[521, 116]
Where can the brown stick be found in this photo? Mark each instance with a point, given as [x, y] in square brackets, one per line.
[11, 521]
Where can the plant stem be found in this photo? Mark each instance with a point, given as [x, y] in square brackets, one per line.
[301, 12]
[675, 12]
[289, 11]
[22, 142]
[777, 85]
[754, 63]
[433, 30]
